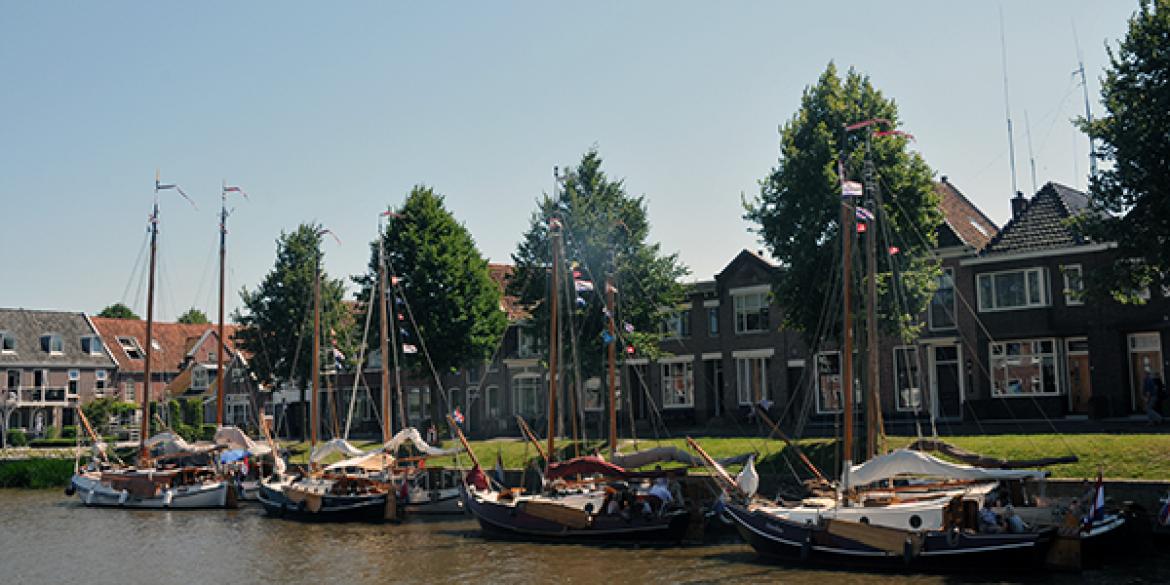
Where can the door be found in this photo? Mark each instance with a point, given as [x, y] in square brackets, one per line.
[946, 382]
[1080, 388]
[1145, 361]
[713, 382]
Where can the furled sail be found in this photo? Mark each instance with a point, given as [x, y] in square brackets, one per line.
[412, 435]
[230, 437]
[981, 461]
[903, 462]
[332, 447]
[668, 454]
[170, 444]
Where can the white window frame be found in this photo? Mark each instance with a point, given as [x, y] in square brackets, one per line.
[669, 376]
[916, 378]
[525, 342]
[4, 337]
[1036, 356]
[517, 402]
[130, 344]
[987, 305]
[675, 323]
[743, 386]
[92, 344]
[54, 340]
[948, 275]
[759, 297]
[1073, 297]
[492, 407]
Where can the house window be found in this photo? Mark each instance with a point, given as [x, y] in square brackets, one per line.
[199, 379]
[40, 378]
[128, 390]
[1074, 285]
[7, 342]
[526, 395]
[829, 382]
[751, 379]
[92, 345]
[525, 343]
[712, 321]
[1013, 289]
[751, 312]
[131, 347]
[52, 343]
[491, 398]
[908, 387]
[74, 380]
[942, 305]
[13, 379]
[1024, 367]
[678, 387]
[418, 402]
[597, 391]
[99, 381]
[676, 324]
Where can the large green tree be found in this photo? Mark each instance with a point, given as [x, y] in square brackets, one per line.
[604, 230]
[193, 316]
[276, 321]
[797, 212]
[118, 311]
[452, 310]
[1131, 193]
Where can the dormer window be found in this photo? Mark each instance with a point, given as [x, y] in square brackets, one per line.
[131, 347]
[92, 345]
[7, 342]
[52, 344]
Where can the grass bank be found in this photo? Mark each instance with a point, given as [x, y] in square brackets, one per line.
[35, 473]
[1131, 456]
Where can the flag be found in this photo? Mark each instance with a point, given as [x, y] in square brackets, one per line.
[166, 187]
[864, 214]
[861, 228]
[409, 348]
[338, 355]
[581, 302]
[499, 470]
[851, 189]
[390, 213]
[234, 189]
[894, 250]
[457, 416]
[394, 280]
[576, 274]
[583, 285]
[1096, 511]
[630, 350]
[606, 338]
[629, 327]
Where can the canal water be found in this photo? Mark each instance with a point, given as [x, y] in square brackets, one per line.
[48, 538]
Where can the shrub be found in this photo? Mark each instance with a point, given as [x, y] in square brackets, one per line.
[17, 438]
[52, 433]
[69, 432]
[207, 432]
[58, 442]
[36, 473]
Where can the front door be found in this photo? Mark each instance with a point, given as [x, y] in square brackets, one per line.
[713, 381]
[1080, 387]
[1145, 361]
[946, 382]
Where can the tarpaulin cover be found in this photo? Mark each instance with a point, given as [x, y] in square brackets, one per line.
[232, 455]
[588, 465]
[906, 462]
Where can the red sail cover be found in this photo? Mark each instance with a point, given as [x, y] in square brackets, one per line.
[587, 465]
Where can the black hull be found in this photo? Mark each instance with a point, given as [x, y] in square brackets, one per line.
[333, 508]
[779, 540]
[506, 522]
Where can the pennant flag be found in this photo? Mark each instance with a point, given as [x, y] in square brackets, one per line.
[401, 317]
[234, 189]
[894, 133]
[1096, 511]
[576, 274]
[172, 186]
[630, 350]
[338, 355]
[861, 228]
[864, 214]
[499, 470]
[851, 189]
[894, 250]
[394, 280]
[409, 348]
[457, 416]
[629, 327]
[606, 338]
[605, 311]
[403, 332]
[581, 302]
[583, 285]
[324, 231]
[390, 213]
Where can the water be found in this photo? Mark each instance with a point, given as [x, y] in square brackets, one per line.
[48, 538]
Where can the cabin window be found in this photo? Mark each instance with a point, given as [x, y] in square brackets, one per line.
[751, 379]
[1013, 289]
[526, 395]
[942, 305]
[7, 342]
[678, 385]
[751, 312]
[1074, 285]
[908, 389]
[1024, 367]
[131, 347]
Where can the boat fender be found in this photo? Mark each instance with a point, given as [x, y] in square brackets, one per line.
[89, 498]
[168, 495]
[953, 537]
[806, 548]
[122, 497]
[907, 552]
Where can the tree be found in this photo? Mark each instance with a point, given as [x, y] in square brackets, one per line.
[118, 311]
[1130, 198]
[797, 212]
[453, 312]
[193, 316]
[276, 321]
[604, 230]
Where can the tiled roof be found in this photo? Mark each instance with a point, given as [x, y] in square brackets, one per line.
[1042, 223]
[28, 326]
[501, 273]
[965, 220]
[175, 341]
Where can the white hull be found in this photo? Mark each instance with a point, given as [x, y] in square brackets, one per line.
[92, 492]
[443, 501]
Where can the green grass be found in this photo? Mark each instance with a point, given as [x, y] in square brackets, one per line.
[1136, 456]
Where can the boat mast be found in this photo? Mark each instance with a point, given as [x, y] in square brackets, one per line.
[612, 353]
[219, 346]
[144, 429]
[384, 330]
[872, 406]
[847, 231]
[314, 380]
[554, 230]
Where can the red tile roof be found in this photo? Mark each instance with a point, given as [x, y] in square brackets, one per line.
[501, 273]
[966, 220]
[175, 341]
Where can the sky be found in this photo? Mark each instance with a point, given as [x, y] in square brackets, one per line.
[330, 111]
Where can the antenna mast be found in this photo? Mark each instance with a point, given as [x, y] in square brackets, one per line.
[1031, 156]
[1007, 104]
[1085, 89]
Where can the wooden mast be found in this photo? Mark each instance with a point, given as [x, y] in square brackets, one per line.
[847, 230]
[144, 428]
[384, 330]
[554, 240]
[612, 355]
[219, 346]
[872, 404]
[315, 374]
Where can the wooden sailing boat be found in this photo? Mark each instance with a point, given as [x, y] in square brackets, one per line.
[149, 485]
[577, 504]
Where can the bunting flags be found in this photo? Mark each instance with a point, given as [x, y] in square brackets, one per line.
[457, 416]
[409, 348]
[581, 303]
[583, 285]
[864, 214]
[851, 189]
[606, 338]
[629, 327]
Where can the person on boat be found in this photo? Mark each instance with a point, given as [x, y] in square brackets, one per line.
[660, 494]
[1013, 522]
[989, 520]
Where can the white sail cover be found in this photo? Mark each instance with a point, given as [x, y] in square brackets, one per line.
[170, 444]
[411, 434]
[231, 437]
[332, 447]
[372, 462]
[905, 462]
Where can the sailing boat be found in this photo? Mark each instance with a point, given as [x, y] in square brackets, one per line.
[102, 483]
[585, 499]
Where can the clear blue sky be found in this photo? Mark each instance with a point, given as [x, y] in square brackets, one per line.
[330, 111]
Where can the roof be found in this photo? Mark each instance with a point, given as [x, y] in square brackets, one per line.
[27, 326]
[175, 342]
[1042, 223]
[967, 222]
[745, 255]
[501, 274]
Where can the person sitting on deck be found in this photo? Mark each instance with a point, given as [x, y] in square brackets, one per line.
[989, 520]
[1013, 522]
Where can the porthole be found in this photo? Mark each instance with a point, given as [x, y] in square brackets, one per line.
[915, 521]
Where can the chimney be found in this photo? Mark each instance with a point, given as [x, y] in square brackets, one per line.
[1018, 204]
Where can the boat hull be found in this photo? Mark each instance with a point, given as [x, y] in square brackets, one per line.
[93, 493]
[365, 508]
[509, 521]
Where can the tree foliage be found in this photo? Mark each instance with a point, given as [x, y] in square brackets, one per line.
[194, 316]
[797, 213]
[450, 305]
[118, 311]
[604, 230]
[1130, 193]
[276, 320]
